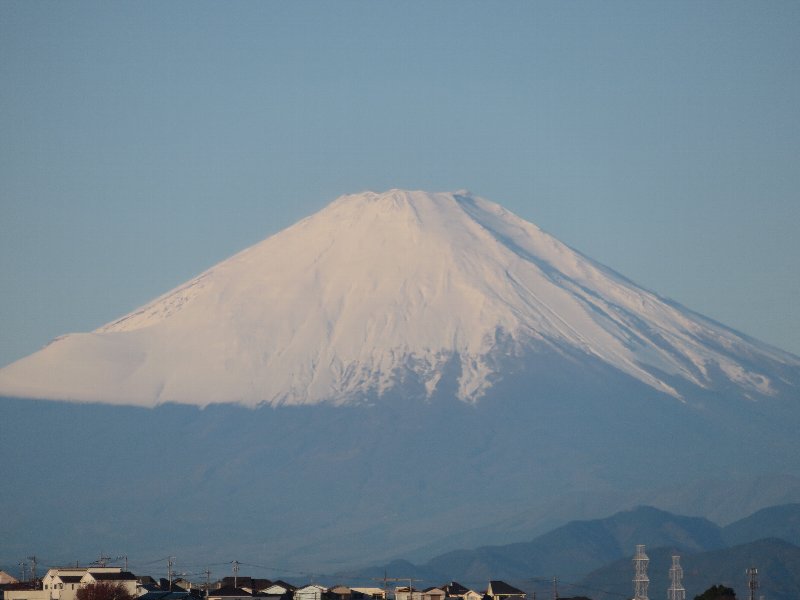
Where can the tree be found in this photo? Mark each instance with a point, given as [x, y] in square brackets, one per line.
[104, 590]
[717, 592]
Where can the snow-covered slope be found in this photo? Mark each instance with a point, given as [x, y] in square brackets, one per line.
[381, 289]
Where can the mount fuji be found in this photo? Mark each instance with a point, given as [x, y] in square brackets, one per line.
[398, 375]
[391, 291]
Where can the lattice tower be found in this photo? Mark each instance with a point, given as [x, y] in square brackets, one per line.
[640, 579]
[676, 591]
[752, 582]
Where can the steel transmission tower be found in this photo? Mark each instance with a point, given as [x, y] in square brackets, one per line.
[752, 582]
[640, 578]
[676, 591]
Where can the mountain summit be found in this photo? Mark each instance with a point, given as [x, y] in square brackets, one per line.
[397, 290]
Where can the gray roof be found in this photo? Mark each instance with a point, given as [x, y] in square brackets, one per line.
[123, 576]
[164, 595]
[229, 590]
[502, 588]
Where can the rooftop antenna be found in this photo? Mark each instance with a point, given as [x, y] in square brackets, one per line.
[386, 579]
[640, 578]
[170, 564]
[676, 591]
[102, 560]
[752, 582]
[33, 567]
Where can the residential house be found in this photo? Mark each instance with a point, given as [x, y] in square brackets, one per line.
[181, 583]
[456, 590]
[229, 592]
[63, 583]
[159, 594]
[372, 593]
[407, 593]
[24, 591]
[279, 588]
[309, 592]
[500, 590]
[340, 592]
[124, 579]
[433, 593]
[251, 584]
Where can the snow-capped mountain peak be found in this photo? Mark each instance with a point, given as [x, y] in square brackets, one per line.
[379, 290]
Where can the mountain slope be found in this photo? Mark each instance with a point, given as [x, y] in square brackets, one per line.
[778, 564]
[781, 522]
[598, 552]
[580, 546]
[399, 289]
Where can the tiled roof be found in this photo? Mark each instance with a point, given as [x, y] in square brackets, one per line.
[283, 584]
[229, 590]
[164, 595]
[455, 589]
[502, 588]
[122, 576]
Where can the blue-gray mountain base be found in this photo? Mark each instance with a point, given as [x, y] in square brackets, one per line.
[400, 375]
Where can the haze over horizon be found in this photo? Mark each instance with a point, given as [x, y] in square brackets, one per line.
[145, 143]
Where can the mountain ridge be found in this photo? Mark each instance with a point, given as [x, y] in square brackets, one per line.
[596, 552]
[397, 403]
[778, 564]
[396, 289]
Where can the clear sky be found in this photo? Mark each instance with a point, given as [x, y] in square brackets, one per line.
[142, 142]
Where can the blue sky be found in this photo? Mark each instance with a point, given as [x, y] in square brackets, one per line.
[144, 142]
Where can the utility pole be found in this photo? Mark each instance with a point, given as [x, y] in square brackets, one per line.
[22, 566]
[170, 564]
[384, 580]
[236, 573]
[410, 589]
[208, 580]
[752, 582]
[555, 588]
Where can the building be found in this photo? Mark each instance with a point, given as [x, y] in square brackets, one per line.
[63, 583]
[500, 590]
[456, 590]
[229, 592]
[370, 592]
[309, 592]
[433, 593]
[407, 593]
